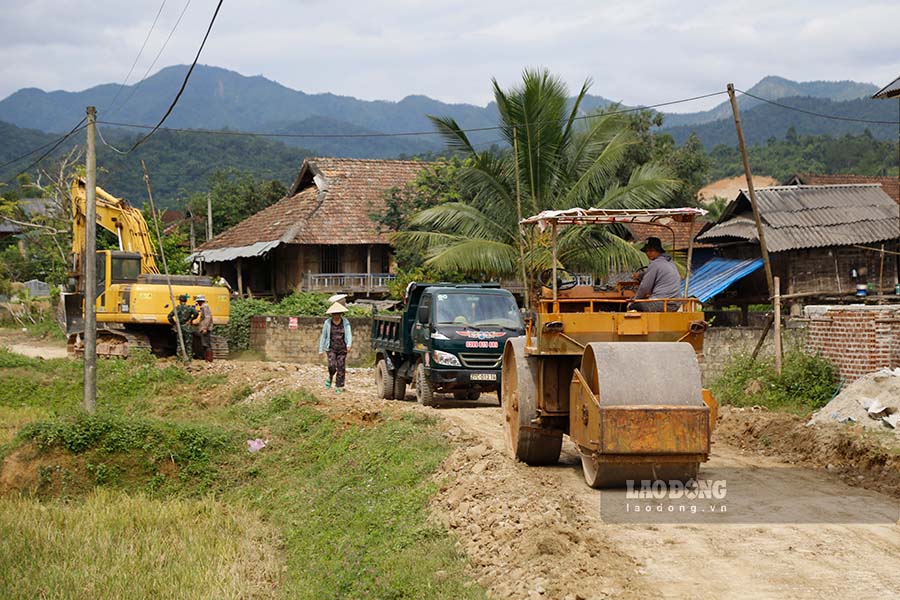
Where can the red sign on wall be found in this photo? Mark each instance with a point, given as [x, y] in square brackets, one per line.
[293, 323]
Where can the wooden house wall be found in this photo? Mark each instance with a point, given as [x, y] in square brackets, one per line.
[825, 271]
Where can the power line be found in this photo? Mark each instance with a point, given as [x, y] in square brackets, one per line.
[158, 54]
[136, 58]
[183, 83]
[226, 132]
[30, 152]
[818, 114]
[58, 143]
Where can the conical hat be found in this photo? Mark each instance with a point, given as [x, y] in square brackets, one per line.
[337, 307]
[338, 298]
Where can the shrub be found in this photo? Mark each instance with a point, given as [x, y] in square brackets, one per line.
[806, 383]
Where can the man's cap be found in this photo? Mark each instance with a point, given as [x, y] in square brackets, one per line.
[336, 308]
[653, 243]
[200, 298]
[184, 297]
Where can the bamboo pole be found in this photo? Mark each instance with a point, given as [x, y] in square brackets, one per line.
[162, 254]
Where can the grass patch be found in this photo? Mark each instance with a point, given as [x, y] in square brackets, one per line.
[806, 383]
[352, 506]
[114, 545]
[348, 505]
[129, 452]
[56, 385]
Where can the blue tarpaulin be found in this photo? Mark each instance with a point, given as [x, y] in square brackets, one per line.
[714, 276]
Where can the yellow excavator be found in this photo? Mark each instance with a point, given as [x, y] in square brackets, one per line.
[133, 298]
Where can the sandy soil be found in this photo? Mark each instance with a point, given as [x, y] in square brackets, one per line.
[801, 531]
[21, 344]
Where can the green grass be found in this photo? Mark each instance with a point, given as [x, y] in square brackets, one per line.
[115, 545]
[344, 508]
[806, 383]
[352, 504]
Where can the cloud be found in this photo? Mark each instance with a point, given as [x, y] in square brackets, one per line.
[639, 52]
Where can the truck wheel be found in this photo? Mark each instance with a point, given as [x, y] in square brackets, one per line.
[400, 388]
[384, 380]
[424, 388]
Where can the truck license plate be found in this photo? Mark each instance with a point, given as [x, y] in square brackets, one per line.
[483, 377]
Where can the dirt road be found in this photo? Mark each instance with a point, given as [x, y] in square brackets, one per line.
[542, 533]
[21, 344]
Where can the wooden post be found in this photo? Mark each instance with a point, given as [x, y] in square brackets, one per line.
[90, 266]
[521, 227]
[555, 298]
[369, 268]
[762, 337]
[881, 278]
[240, 278]
[690, 257]
[777, 283]
[750, 189]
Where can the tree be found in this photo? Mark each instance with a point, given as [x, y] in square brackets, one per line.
[562, 161]
[235, 196]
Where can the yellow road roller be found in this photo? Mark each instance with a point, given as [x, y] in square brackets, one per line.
[623, 384]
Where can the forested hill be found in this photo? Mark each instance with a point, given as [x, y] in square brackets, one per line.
[179, 163]
[765, 121]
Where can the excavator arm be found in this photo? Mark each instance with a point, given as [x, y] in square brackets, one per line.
[116, 216]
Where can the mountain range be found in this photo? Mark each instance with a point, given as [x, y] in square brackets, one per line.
[218, 98]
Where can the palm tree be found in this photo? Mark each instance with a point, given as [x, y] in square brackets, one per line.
[560, 160]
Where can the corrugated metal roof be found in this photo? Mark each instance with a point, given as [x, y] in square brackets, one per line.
[891, 90]
[226, 254]
[714, 276]
[810, 217]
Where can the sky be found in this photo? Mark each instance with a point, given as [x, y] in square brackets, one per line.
[636, 52]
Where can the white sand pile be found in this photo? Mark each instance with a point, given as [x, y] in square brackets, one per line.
[872, 401]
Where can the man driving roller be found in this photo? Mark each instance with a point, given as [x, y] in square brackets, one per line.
[660, 280]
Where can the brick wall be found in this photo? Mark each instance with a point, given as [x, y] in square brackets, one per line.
[296, 339]
[856, 339]
[721, 344]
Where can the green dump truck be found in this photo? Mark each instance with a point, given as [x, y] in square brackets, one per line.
[449, 339]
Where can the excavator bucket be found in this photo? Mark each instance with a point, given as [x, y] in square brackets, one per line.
[639, 412]
[73, 315]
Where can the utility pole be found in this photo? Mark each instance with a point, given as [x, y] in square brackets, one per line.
[90, 267]
[209, 229]
[751, 190]
[190, 217]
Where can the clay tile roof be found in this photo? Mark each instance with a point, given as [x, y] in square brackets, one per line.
[890, 185]
[679, 232]
[330, 202]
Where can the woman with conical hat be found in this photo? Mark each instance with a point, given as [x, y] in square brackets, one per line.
[336, 340]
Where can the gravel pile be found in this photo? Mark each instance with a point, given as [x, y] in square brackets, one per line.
[872, 401]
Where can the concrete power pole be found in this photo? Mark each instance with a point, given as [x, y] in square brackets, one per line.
[209, 229]
[90, 267]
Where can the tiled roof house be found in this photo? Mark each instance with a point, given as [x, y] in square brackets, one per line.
[320, 237]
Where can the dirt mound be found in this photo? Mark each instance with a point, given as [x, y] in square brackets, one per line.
[525, 537]
[872, 401]
[870, 459]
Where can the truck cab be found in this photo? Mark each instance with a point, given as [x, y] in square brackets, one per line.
[449, 339]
